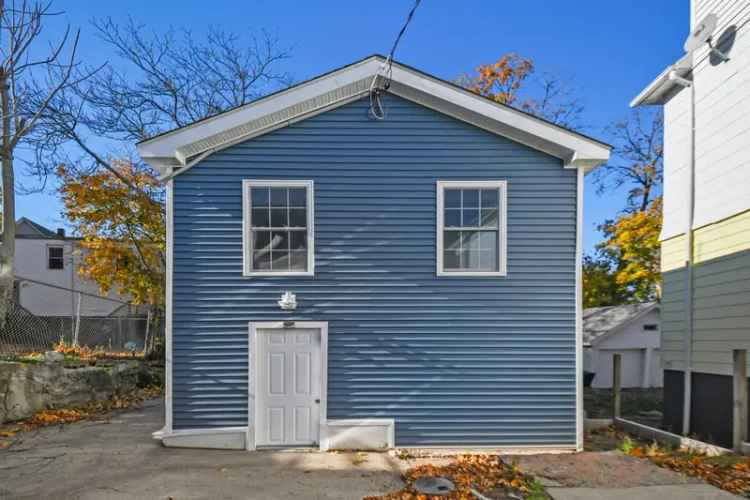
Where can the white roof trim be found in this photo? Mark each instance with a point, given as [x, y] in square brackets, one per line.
[186, 146]
[657, 91]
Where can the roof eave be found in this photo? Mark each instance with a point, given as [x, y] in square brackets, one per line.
[662, 86]
[175, 152]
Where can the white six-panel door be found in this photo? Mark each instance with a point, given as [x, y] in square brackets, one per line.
[288, 387]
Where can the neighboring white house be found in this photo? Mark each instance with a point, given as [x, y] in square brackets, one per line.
[633, 331]
[705, 238]
[47, 277]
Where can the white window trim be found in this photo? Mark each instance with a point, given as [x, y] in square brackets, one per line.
[502, 226]
[246, 261]
[48, 258]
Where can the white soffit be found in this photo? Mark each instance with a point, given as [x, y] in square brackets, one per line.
[659, 90]
[177, 148]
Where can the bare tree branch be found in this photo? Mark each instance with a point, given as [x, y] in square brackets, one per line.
[637, 159]
[160, 82]
[29, 82]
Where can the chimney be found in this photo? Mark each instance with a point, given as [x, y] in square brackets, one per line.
[61, 232]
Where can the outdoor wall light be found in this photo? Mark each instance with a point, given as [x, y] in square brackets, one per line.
[288, 301]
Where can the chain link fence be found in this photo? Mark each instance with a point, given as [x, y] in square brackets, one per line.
[119, 331]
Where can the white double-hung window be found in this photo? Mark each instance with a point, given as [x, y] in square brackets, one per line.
[278, 228]
[471, 228]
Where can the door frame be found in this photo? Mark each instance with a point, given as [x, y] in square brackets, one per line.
[252, 381]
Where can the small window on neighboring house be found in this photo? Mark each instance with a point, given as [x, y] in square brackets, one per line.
[278, 228]
[651, 327]
[471, 228]
[55, 258]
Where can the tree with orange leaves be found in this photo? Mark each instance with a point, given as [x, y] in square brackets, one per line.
[513, 80]
[123, 229]
[502, 80]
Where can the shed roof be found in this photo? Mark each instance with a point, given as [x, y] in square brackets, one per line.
[598, 322]
[175, 151]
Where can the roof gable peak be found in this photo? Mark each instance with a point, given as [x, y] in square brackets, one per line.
[176, 151]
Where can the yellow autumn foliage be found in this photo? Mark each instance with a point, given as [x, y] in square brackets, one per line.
[122, 228]
[633, 240]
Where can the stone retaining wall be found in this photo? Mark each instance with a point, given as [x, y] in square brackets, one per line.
[26, 388]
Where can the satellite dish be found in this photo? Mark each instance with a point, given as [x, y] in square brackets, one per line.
[702, 33]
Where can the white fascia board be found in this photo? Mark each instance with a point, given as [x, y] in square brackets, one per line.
[576, 150]
[166, 145]
[656, 91]
[519, 126]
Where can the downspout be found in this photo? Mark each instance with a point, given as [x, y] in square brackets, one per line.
[689, 258]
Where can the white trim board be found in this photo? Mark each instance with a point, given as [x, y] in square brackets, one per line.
[253, 327]
[502, 234]
[169, 308]
[440, 450]
[579, 312]
[361, 434]
[178, 147]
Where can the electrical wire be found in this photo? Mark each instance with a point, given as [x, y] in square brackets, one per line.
[377, 110]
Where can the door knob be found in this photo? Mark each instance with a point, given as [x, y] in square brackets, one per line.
[317, 401]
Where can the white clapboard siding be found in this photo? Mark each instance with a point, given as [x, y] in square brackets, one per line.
[722, 177]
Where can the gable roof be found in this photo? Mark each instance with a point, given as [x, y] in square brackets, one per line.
[175, 151]
[600, 322]
[27, 228]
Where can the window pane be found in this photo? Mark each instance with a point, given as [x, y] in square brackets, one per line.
[297, 217]
[470, 240]
[488, 260]
[280, 261]
[451, 259]
[489, 217]
[488, 240]
[298, 197]
[259, 217]
[274, 212]
[452, 198]
[452, 217]
[261, 261]
[259, 196]
[278, 197]
[298, 240]
[280, 240]
[55, 258]
[470, 259]
[471, 198]
[470, 217]
[279, 217]
[261, 240]
[452, 240]
[298, 260]
[490, 198]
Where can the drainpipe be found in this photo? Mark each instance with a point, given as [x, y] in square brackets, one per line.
[688, 337]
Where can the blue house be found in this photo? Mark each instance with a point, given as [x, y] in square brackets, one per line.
[350, 268]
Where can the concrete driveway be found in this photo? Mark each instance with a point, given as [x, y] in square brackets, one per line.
[118, 460]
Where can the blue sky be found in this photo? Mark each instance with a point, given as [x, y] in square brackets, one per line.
[610, 49]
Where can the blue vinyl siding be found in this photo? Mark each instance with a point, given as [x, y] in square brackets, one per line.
[462, 361]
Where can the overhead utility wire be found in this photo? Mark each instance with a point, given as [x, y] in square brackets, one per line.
[376, 107]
